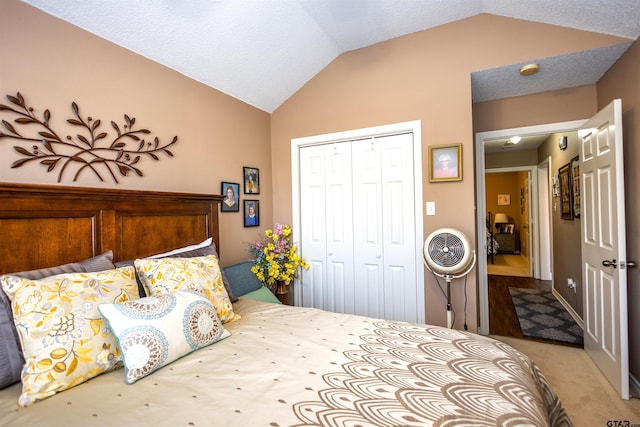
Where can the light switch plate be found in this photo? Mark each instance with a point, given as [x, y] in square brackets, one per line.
[431, 208]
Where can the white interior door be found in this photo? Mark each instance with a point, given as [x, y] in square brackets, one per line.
[604, 246]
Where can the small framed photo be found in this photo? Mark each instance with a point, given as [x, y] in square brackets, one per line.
[231, 193]
[251, 180]
[251, 213]
[566, 210]
[504, 199]
[445, 163]
[575, 177]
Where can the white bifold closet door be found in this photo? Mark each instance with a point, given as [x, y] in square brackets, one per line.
[358, 228]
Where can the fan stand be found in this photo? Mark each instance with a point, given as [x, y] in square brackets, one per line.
[448, 278]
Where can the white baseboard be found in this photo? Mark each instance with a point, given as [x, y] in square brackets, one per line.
[570, 309]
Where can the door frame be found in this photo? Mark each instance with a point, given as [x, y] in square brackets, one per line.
[414, 127]
[545, 218]
[481, 205]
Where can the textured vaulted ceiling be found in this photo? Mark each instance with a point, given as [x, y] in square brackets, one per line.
[263, 51]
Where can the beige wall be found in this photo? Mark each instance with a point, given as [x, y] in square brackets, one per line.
[52, 63]
[622, 81]
[548, 107]
[510, 159]
[567, 255]
[423, 76]
[504, 183]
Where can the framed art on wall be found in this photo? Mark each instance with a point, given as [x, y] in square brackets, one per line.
[251, 213]
[445, 163]
[504, 199]
[231, 193]
[566, 211]
[251, 180]
[575, 179]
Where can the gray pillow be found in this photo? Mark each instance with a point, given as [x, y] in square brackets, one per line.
[11, 359]
[241, 279]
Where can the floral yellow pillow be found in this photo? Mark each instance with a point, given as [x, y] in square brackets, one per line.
[65, 339]
[200, 274]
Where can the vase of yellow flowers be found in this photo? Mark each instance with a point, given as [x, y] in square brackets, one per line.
[276, 258]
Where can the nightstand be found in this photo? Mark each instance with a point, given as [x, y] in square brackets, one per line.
[506, 243]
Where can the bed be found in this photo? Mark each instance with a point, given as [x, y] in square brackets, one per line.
[273, 364]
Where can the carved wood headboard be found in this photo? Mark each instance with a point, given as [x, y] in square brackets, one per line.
[45, 226]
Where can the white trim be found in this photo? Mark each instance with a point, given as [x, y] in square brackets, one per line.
[414, 127]
[481, 238]
[568, 307]
[545, 220]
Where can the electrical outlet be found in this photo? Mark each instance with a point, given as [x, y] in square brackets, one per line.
[572, 284]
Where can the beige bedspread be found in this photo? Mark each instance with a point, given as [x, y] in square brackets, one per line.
[287, 366]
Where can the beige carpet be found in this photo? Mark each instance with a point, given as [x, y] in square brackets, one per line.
[509, 265]
[585, 393]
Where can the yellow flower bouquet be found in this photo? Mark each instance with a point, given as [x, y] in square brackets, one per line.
[276, 257]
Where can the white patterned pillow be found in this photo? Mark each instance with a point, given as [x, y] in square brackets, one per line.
[154, 331]
[64, 338]
[200, 274]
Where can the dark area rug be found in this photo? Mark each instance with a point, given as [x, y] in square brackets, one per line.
[541, 315]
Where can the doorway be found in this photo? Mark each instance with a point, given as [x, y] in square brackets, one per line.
[508, 204]
[481, 238]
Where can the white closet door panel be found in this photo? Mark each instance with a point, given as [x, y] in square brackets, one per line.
[398, 207]
[367, 232]
[339, 226]
[326, 217]
[313, 237]
[397, 307]
[370, 291]
[340, 292]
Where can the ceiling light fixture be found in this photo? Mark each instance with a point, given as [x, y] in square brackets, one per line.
[529, 69]
[515, 139]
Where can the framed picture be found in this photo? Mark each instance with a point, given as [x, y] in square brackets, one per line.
[231, 193]
[251, 180]
[575, 179]
[564, 173]
[445, 163]
[556, 185]
[504, 199]
[251, 213]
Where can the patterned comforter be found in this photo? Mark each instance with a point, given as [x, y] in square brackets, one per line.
[292, 366]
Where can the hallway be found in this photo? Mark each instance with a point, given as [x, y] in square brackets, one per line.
[509, 265]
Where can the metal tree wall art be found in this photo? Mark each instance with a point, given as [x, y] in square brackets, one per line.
[87, 150]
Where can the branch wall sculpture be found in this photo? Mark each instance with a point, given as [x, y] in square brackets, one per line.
[87, 150]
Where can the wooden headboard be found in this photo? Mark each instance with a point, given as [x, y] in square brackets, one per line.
[45, 226]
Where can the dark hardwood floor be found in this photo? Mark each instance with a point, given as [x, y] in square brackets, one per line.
[502, 314]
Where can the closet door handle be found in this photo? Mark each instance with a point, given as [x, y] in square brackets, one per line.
[330, 253]
[378, 255]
